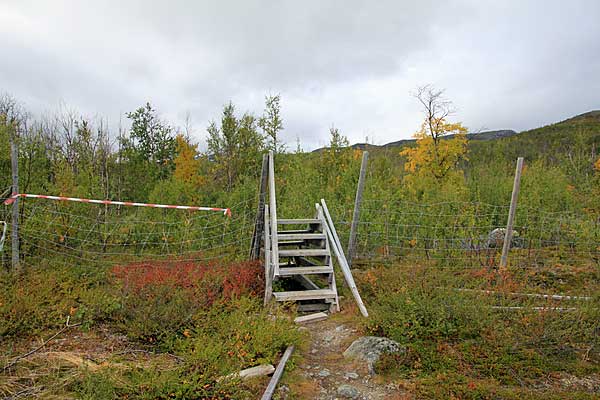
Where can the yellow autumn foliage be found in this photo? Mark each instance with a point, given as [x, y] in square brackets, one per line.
[433, 163]
[187, 164]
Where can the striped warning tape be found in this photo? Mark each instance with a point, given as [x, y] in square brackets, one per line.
[11, 199]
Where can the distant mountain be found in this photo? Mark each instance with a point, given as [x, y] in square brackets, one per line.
[487, 135]
[588, 119]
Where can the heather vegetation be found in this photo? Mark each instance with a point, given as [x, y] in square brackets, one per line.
[164, 303]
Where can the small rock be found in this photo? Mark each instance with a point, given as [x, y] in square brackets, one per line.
[348, 392]
[351, 375]
[339, 328]
[328, 338]
[324, 373]
[369, 348]
[314, 351]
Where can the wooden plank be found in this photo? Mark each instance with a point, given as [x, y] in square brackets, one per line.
[259, 223]
[357, 202]
[306, 319]
[273, 216]
[294, 231]
[301, 236]
[342, 259]
[268, 263]
[303, 252]
[313, 307]
[305, 270]
[302, 221]
[290, 242]
[319, 294]
[329, 222]
[511, 213]
[335, 304]
[300, 262]
[268, 394]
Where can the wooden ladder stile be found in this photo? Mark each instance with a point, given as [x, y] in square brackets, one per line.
[301, 251]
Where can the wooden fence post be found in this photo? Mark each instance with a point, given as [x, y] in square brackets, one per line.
[14, 155]
[259, 222]
[511, 214]
[357, 202]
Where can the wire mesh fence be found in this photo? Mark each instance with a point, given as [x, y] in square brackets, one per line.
[469, 234]
[89, 234]
[452, 234]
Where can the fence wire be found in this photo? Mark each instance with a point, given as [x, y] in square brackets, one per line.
[453, 234]
[88, 234]
[469, 234]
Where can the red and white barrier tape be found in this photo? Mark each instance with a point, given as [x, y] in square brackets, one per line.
[11, 199]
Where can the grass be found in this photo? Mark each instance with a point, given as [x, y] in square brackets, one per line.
[149, 333]
[143, 335]
[460, 346]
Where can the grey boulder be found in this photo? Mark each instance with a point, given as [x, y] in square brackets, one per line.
[370, 348]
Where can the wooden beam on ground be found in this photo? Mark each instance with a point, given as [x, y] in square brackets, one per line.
[306, 319]
[268, 394]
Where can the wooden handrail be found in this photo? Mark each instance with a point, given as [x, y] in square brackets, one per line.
[273, 215]
[339, 252]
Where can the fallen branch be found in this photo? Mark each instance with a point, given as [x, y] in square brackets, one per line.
[19, 358]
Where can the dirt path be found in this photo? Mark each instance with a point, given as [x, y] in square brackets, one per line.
[326, 374]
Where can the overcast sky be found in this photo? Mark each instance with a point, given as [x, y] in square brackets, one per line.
[353, 64]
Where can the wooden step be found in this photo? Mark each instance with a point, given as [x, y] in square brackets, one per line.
[319, 294]
[299, 236]
[293, 231]
[303, 252]
[326, 269]
[313, 307]
[290, 242]
[298, 221]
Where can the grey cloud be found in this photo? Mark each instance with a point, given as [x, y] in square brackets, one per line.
[505, 64]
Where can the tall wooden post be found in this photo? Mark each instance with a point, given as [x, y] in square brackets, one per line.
[511, 214]
[14, 156]
[273, 217]
[357, 201]
[259, 222]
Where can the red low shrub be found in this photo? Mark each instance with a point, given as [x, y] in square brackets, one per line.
[207, 282]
